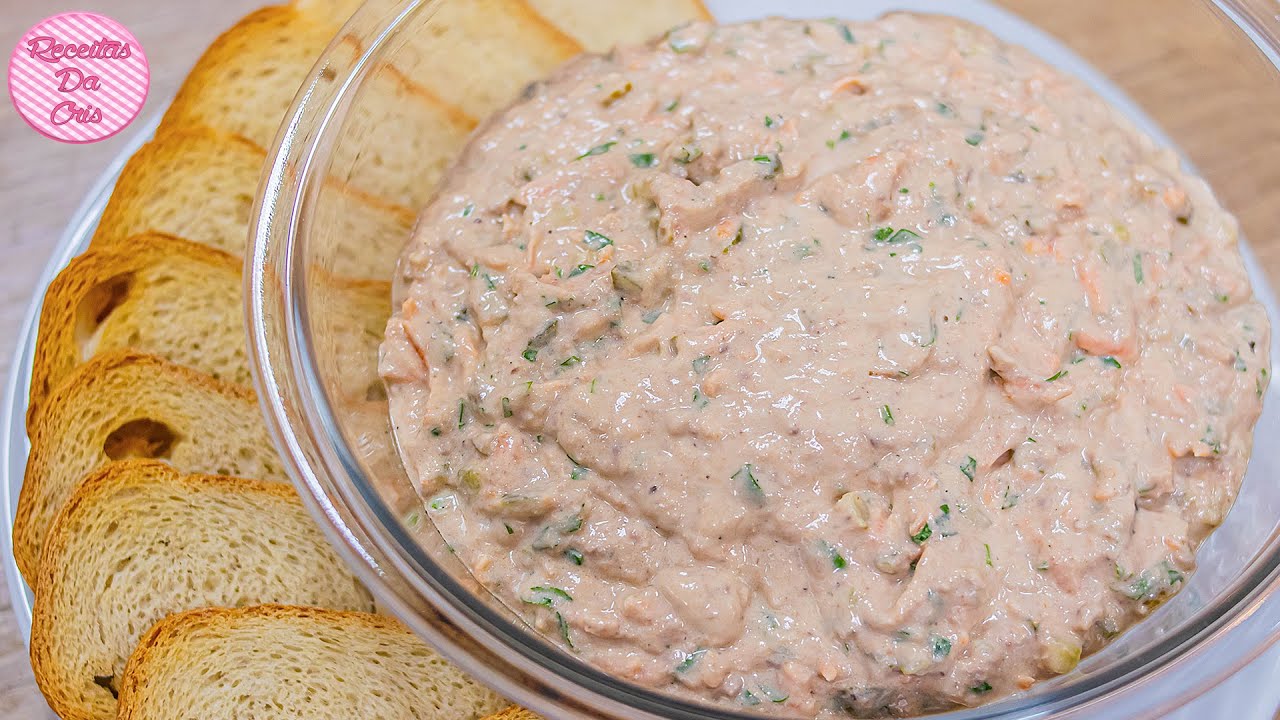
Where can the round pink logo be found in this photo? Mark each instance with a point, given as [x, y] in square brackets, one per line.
[78, 77]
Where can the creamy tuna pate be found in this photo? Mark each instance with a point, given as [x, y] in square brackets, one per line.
[824, 368]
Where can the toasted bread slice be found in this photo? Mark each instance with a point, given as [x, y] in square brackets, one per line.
[515, 712]
[182, 301]
[139, 541]
[274, 662]
[479, 55]
[246, 80]
[198, 183]
[155, 294]
[126, 404]
[334, 12]
[602, 24]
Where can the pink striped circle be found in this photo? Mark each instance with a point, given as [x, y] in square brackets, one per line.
[78, 77]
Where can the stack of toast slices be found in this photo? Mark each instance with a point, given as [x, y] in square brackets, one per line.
[175, 572]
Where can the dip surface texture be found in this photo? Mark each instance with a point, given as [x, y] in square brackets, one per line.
[825, 368]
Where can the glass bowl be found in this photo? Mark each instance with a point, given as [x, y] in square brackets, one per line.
[1203, 72]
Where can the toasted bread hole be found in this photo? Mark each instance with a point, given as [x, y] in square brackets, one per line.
[94, 309]
[142, 438]
[108, 683]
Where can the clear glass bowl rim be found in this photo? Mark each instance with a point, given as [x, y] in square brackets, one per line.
[369, 535]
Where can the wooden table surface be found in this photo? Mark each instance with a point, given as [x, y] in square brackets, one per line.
[42, 182]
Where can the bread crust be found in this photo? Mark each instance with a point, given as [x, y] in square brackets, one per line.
[79, 411]
[115, 489]
[58, 350]
[164, 646]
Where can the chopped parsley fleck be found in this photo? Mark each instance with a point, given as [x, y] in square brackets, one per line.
[1111, 362]
[773, 695]
[1139, 588]
[571, 361]
[580, 269]
[578, 472]
[846, 33]
[1010, 499]
[737, 238]
[506, 407]
[837, 560]
[945, 110]
[769, 121]
[595, 240]
[575, 556]
[539, 341]
[688, 154]
[651, 317]
[746, 475]
[886, 414]
[1058, 375]
[466, 211]
[644, 160]
[925, 533]
[844, 135]
[435, 432]
[987, 547]
[475, 270]
[564, 629]
[510, 530]
[1209, 439]
[462, 409]
[690, 660]
[889, 235]
[572, 524]
[598, 150]
[970, 467]
[699, 400]
[547, 596]
[1137, 268]
[980, 688]
[700, 364]
[975, 138]
[771, 160]
[941, 646]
